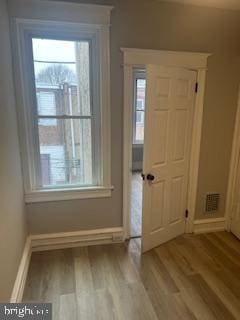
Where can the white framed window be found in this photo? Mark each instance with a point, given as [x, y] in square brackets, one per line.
[64, 111]
[139, 86]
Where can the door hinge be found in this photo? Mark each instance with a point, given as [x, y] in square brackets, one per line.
[196, 87]
[186, 213]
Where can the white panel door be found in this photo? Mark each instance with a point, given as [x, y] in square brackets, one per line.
[170, 98]
[235, 222]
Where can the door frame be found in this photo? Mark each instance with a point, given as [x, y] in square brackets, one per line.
[231, 192]
[140, 58]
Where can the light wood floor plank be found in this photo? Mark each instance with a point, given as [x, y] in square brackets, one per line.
[82, 270]
[226, 249]
[96, 305]
[68, 307]
[188, 291]
[209, 269]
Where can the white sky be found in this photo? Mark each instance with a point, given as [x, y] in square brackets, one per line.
[53, 50]
[48, 50]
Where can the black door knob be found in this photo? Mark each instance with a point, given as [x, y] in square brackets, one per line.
[150, 177]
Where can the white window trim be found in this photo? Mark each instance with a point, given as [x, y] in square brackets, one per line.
[48, 195]
[23, 27]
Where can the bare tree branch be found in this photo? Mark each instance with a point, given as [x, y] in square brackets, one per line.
[56, 74]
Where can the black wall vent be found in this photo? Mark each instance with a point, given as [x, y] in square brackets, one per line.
[212, 202]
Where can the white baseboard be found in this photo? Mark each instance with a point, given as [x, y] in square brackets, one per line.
[41, 242]
[60, 240]
[209, 225]
[20, 281]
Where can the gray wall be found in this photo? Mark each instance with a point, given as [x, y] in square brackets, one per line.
[12, 217]
[218, 125]
[153, 25]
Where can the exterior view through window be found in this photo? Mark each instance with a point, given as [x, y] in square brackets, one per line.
[139, 107]
[64, 112]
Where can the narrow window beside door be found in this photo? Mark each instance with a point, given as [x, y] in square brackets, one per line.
[139, 107]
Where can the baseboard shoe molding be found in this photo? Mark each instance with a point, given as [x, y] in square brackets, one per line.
[20, 281]
[62, 240]
[209, 225]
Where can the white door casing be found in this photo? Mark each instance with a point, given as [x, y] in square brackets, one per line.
[170, 99]
[140, 58]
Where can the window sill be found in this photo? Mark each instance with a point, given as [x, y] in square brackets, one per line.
[67, 194]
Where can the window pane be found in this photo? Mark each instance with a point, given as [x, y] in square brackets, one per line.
[140, 96]
[58, 101]
[66, 152]
[62, 69]
[46, 101]
[139, 109]
[139, 126]
[53, 50]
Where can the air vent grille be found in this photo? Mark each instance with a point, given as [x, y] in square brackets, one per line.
[212, 202]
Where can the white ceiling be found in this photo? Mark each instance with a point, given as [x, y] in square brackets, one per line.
[222, 4]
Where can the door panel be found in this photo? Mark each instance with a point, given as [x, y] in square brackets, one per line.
[169, 112]
[160, 126]
[180, 135]
[177, 184]
[157, 206]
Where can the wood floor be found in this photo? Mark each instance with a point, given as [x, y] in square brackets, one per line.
[190, 277]
[136, 205]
